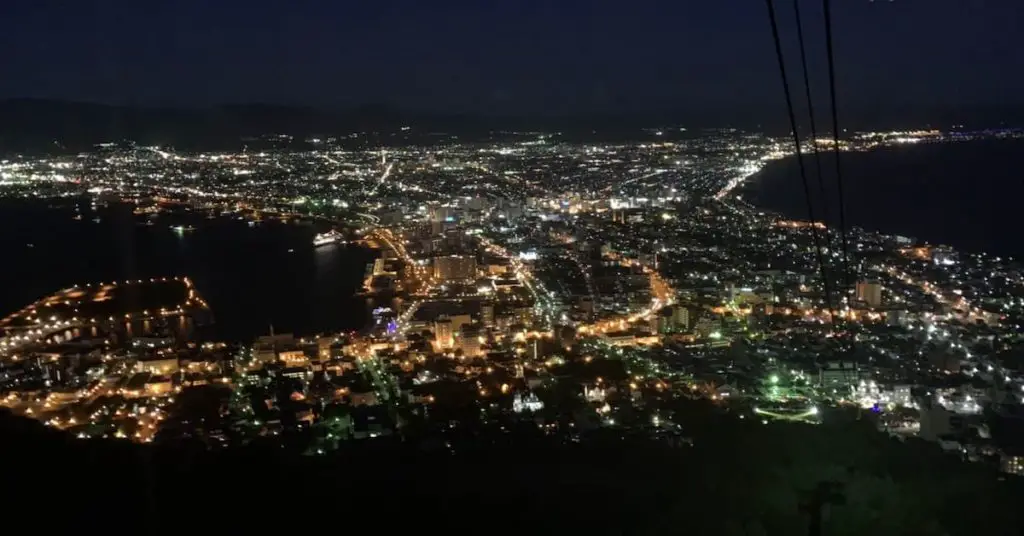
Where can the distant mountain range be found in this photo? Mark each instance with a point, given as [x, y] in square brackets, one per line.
[53, 125]
[35, 125]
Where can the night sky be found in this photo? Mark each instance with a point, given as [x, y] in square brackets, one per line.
[506, 56]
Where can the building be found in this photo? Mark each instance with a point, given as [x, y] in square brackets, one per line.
[443, 333]
[363, 397]
[381, 266]
[1012, 463]
[323, 348]
[487, 314]
[159, 386]
[470, 342]
[896, 318]
[266, 347]
[841, 375]
[586, 305]
[629, 338]
[662, 322]
[439, 213]
[159, 365]
[944, 360]
[707, 325]
[498, 268]
[937, 422]
[447, 328]
[680, 318]
[528, 403]
[870, 292]
[454, 267]
[944, 256]
[293, 358]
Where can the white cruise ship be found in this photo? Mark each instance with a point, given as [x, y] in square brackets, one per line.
[323, 239]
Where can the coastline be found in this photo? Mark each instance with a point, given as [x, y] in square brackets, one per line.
[252, 276]
[960, 194]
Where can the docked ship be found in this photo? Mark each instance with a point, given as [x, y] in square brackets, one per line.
[323, 239]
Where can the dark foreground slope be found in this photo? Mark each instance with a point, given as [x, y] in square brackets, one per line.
[738, 478]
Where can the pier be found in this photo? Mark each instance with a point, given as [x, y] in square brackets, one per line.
[110, 307]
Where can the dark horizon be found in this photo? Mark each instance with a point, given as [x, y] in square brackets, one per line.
[43, 125]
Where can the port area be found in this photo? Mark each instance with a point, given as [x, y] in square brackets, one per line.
[113, 307]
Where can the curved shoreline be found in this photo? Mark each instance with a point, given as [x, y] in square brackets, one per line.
[961, 194]
[253, 276]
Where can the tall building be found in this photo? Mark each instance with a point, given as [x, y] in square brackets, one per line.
[470, 341]
[323, 347]
[660, 322]
[870, 292]
[444, 334]
[470, 346]
[487, 314]
[671, 319]
[458, 322]
[438, 213]
[380, 267]
[440, 217]
[586, 304]
[454, 240]
[511, 211]
[681, 317]
[454, 267]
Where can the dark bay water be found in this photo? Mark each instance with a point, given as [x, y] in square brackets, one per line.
[250, 276]
[967, 195]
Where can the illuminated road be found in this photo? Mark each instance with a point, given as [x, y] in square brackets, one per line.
[635, 179]
[383, 177]
[587, 279]
[957, 302]
[419, 273]
[524, 274]
[662, 294]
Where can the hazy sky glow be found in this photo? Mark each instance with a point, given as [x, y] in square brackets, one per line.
[515, 56]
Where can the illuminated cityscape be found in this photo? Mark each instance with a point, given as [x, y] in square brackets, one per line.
[599, 268]
[536, 284]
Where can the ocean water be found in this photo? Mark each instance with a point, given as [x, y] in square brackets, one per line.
[251, 277]
[968, 195]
